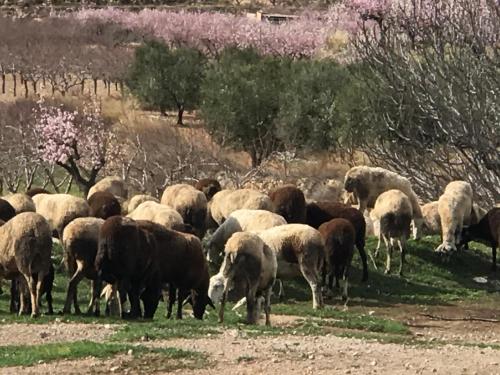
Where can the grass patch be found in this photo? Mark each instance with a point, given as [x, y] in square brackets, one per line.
[31, 355]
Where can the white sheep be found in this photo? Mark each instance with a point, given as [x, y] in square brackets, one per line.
[367, 183]
[455, 209]
[157, 213]
[80, 240]
[249, 265]
[26, 247]
[432, 221]
[136, 200]
[393, 212]
[190, 203]
[21, 202]
[226, 202]
[112, 184]
[240, 221]
[60, 209]
[298, 244]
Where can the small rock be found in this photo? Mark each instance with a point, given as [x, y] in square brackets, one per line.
[310, 356]
[130, 352]
[373, 363]
[107, 326]
[371, 312]
[434, 370]
[114, 369]
[44, 335]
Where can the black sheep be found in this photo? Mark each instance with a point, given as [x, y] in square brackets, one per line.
[289, 202]
[103, 205]
[209, 187]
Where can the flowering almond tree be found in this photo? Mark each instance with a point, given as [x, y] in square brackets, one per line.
[78, 141]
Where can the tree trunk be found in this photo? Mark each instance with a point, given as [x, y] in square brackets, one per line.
[116, 86]
[83, 85]
[179, 115]
[34, 86]
[14, 77]
[25, 88]
[109, 88]
[95, 86]
[3, 83]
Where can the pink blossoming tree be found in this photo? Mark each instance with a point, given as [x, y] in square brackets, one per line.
[78, 141]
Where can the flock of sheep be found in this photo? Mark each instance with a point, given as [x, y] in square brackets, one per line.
[145, 249]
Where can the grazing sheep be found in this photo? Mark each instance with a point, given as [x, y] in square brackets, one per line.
[26, 247]
[367, 183]
[190, 203]
[182, 266]
[240, 221]
[80, 240]
[339, 236]
[20, 283]
[226, 202]
[486, 231]
[432, 221]
[455, 209]
[321, 212]
[136, 200]
[209, 187]
[157, 213]
[299, 244]
[60, 209]
[36, 190]
[21, 202]
[250, 265]
[127, 256]
[7, 212]
[477, 213]
[393, 212]
[290, 203]
[112, 184]
[103, 205]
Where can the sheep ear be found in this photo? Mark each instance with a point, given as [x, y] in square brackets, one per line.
[187, 300]
[210, 303]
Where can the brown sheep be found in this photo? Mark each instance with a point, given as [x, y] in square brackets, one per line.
[209, 187]
[486, 231]
[127, 257]
[289, 202]
[7, 212]
[20, 283]
[182, 266]
[339, 236]
[103, 205]
[321, 212]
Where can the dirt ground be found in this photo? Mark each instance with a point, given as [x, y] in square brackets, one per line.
[234, 352]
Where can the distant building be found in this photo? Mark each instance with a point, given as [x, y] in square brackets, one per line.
[271, 17]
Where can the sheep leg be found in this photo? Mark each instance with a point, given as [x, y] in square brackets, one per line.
[362, 254]
[14, 297]
[35, 286]
[388, 247]
[281, 292]
[72, 291]
[251, 305]
[401, 262]
[182, 294]
[313, 279]
[135, 304]
[347, 269]
[150, 298]
[95, 305]
[222, 306]
[171, 300]
[23, 307]
[267, 305]
[377, 249]
[48, 297]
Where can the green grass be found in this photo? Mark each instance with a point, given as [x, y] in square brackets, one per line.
[33, 354]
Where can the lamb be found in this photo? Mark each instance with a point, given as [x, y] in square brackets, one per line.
[250, 265]
[209, 187]
[103, 205]
[127, 257]
[190, 203]
[112, 184]
[239, 221]
[367, 183]
[393, 212]
[339, 236]
[289, 202]
[321, 212]
[136, 200]
[7, 212]
[486, 231]
[226, 202]
[25, 248]
[299, 244]
[80, 240]
[21, 202]
[60, 209]
[36, 190]
[455, 208]
[182, 266]
[157, 213]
